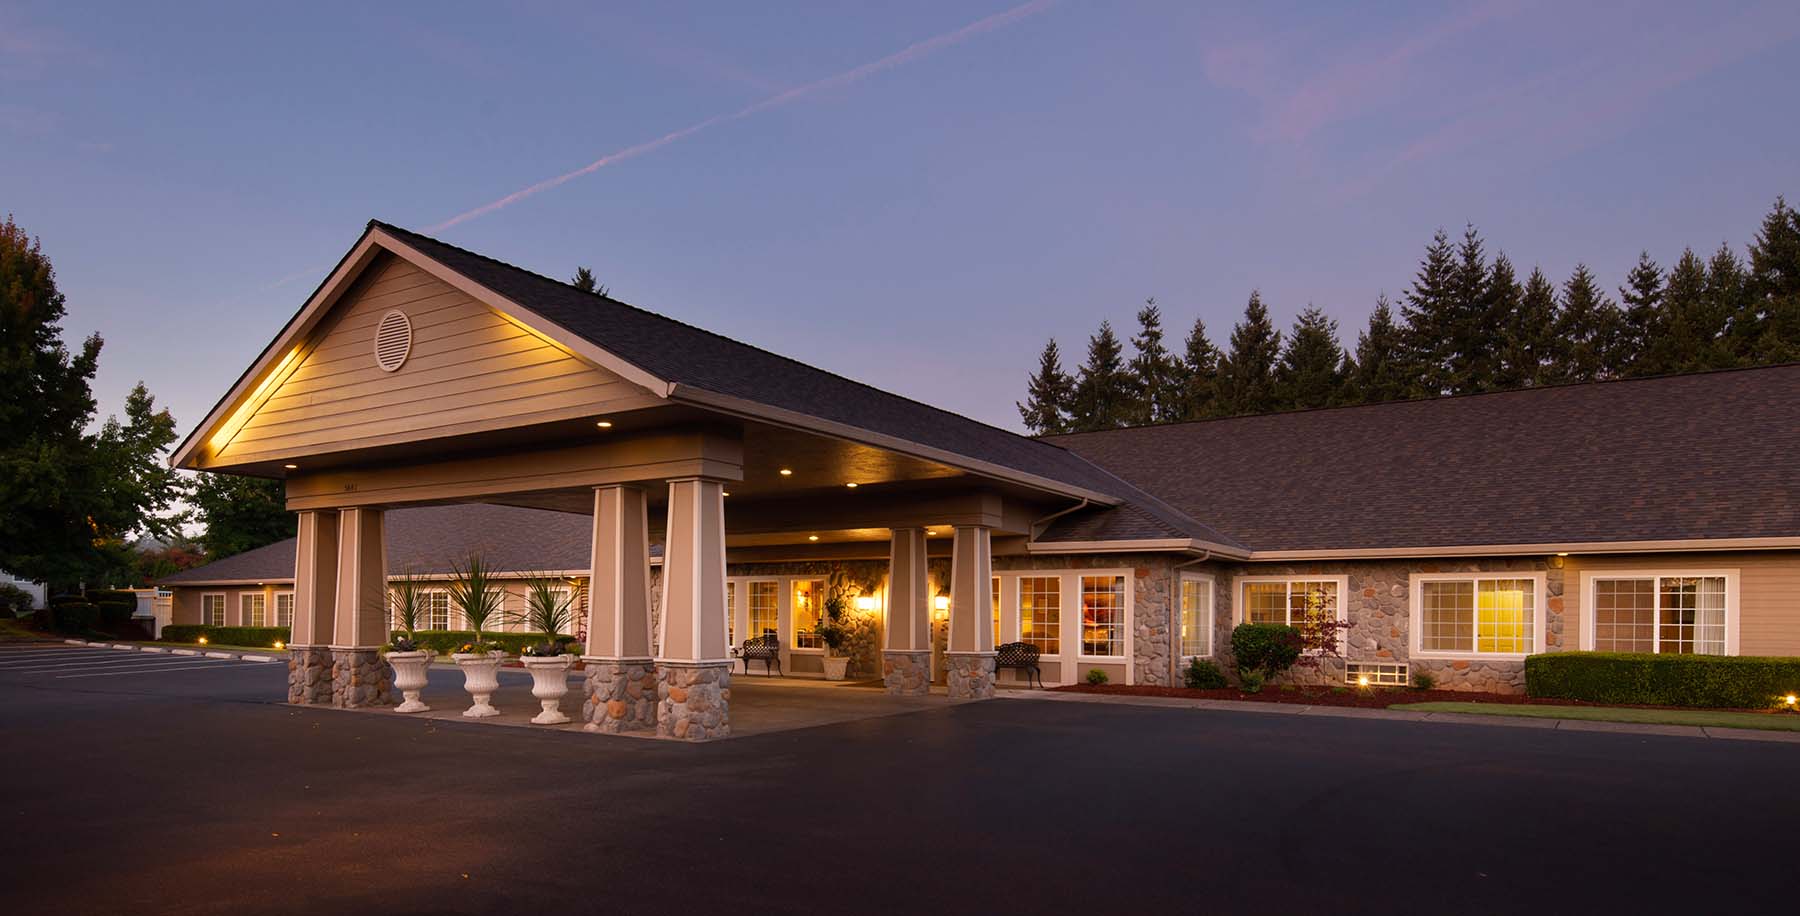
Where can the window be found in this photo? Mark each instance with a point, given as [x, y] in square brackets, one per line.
[1103, 616]
[1660, 613]
[1040, 613]
[730, 614]
[1378, 674]
[1482, 616]
[284, 609]
[1196, 616]
[1287, 601]
[765, 607]
[996, 610]
[253, 609]
[435, 614]
[809, 600]
[212, 610]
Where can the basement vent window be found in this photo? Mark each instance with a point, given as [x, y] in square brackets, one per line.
[393, 340]
[1379, 675]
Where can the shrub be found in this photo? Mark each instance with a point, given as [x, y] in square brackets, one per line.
[1423, 681]
[1748, 682]
[1096, 677]
[1266, 648]
[114, 613]
[1250, 680]
[226, 636]
[101, 596]
[74, 616]
[1204, 675]
[444, 642]
[16, 599]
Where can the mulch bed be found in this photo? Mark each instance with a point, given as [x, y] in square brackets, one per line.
[1366, 698]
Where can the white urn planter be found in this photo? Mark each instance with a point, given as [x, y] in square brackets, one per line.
[409, 678]
[836, 667]
[549, 683]
[480, 678]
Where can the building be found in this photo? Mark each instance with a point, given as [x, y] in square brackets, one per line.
[717, 490]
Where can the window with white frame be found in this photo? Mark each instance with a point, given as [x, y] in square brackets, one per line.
[212, 610]
[1103, 616]
[1477, 615]
[434, 609]
[996, 610]
[1196, 616]
[253, 609]
[1287, 601]
[809, 604]
[1677, 614]
[764, 607]
[284, 609]
[730, 614]
[1040, 613]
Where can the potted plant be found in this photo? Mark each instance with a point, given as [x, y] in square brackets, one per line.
[548, 611]
[474, 592]
[833, 633]
[410, 661]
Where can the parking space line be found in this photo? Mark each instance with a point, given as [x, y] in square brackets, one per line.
[160, 668]
[28, 662]
[90, 663]
[35, 653]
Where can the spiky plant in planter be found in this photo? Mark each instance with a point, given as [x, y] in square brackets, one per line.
[474, 592]
[548, 610]
[403, 653]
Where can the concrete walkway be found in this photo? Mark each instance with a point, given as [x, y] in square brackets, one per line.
[1453, 718]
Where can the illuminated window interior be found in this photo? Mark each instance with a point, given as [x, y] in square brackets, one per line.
[1040, 613]
[1491, 616]
[1196, 617]
[765, 607]
[809, 600]
[1103, 616]
[1675, 614]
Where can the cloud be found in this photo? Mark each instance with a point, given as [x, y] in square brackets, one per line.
[899, 58]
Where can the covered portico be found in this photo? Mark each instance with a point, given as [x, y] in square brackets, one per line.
[421, 374]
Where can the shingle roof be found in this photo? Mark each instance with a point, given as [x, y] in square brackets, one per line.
[1711, 455]
[686, 355]
[426, 539]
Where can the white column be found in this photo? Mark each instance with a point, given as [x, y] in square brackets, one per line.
[619, 590]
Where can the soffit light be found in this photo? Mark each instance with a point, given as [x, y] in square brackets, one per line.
[812, 537]
[291, 467]
[604, 424]
[787, 472]
[851, 485]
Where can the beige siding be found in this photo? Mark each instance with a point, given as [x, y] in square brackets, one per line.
[470, 369]
[1768, 592]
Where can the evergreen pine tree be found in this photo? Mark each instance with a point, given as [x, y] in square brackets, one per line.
[1730, 308]
[1378, 372]
[1533, 356]
[1471, 355]
[1050, 395]
[1770, 332]
[1310, 373]
[1683, 338]
[1643, 313]
[585, 281]
[1103, 392]
[1430, 320]
[1502, 360]
[1155, 373]
[1247, 373]
[1586, 328]
[1199, 375]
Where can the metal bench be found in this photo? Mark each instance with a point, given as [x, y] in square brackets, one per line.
[1022, 656]
[765, 648]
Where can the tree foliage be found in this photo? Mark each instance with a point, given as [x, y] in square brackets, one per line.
[1465, 325]
[240, 513]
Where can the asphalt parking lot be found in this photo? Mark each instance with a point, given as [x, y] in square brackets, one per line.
[176, 785]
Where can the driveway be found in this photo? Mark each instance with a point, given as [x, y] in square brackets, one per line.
[189, 791]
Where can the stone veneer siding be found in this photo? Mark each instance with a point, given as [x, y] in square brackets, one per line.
[1377, 604]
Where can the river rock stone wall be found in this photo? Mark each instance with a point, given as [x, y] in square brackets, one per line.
[309, 675]
[970, 675]
[361, 677]
[621, 695]
[907, 673]
[693, 701]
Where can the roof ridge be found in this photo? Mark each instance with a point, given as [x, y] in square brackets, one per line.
[1530, 389]
[731, 340]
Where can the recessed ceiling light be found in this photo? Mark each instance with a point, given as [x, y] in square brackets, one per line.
[604, 424]
[851, 485]
[724, 492]
[291, 467]
[787, 472]
[812, 537]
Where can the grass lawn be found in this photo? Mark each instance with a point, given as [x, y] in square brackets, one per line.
[1697, 717]
[13, 631]
[219, 646]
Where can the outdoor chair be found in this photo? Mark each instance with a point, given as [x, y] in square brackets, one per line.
[765, 648]
[1022, 656]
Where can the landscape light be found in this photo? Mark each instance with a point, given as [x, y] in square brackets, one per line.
[1362, 680]
[1791, 699]
[280, 645]
[203, 640]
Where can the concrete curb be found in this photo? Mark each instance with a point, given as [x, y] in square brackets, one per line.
[256, 658]
[220, 655]
[183, 652]
[1402, 715]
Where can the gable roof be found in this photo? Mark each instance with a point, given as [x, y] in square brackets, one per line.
[426, 539]
[1712, 456]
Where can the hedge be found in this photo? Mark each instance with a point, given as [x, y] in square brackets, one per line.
[444, 642]
[74, 616]
[228, 636]
[116, 613]
[1736, 682]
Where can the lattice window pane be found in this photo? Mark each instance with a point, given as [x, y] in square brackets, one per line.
[765, 607]
[212, 610]
[1103, 615]
[809, 600]
[1625, 615]
[1504, 616]
[1447, 613]
[284, 609]
[1378, 674]
[996, 610]
[1196, 617]
[1266, 602]
[1709, 622]
[1040, 613]
[731, 613]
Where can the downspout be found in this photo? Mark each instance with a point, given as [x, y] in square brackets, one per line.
[1175, 614]
[1041, 525]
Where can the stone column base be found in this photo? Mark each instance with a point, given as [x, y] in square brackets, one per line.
[693, 700]
[971, 675]
[907, 672]
[309, 675]
[621, 694]
[361, 677]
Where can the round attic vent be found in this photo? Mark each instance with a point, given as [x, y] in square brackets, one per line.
[393, 340]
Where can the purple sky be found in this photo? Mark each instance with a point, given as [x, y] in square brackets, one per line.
[915, 196]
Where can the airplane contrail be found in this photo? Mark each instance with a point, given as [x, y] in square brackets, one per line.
[905, 55]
